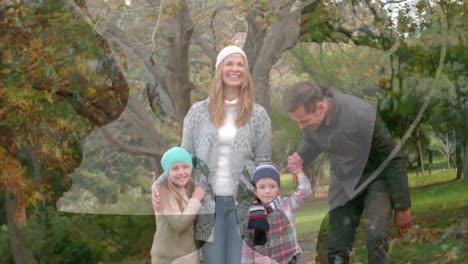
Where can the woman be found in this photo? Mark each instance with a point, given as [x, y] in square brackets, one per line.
[229, 133]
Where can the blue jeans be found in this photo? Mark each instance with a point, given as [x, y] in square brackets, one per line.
[227, 245]
[375, 204]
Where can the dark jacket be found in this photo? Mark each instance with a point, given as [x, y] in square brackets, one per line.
[360, 148]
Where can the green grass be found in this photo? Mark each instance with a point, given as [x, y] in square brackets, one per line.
[438, 202]
[310, 215]
[435, 208]
[439, 162]
[439, 205]
[420, 252]
[434, 177]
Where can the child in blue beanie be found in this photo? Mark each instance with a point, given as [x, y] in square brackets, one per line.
[174, 240]
[270, 232]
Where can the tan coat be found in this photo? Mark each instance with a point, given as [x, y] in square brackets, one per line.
[174, 240]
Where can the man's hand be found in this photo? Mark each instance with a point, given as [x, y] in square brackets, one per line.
[402, 220]
[198, 193]
[295, 164]
[155, 200]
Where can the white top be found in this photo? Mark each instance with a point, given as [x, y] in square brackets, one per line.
[224, 183]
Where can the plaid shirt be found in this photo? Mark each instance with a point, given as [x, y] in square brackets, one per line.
[281, 245]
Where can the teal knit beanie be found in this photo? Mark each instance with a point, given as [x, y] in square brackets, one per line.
[173, 155]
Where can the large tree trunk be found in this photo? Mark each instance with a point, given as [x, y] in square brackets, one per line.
[166, 61]
[465, 160]
[176, 77]
[461, 159]
[16, 218]
[316, 172]
[420, 155]
[265, 47]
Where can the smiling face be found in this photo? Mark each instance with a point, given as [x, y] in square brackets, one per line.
[180, 173]
[266, 190]
[234, 68]
[312, 120]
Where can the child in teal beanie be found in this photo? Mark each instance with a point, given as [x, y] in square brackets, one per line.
[174, 240]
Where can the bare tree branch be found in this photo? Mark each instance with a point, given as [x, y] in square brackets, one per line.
[153, 36]
[120, 37]
[209, 49]
[134, 150]
[203, 43]
[281, 35]
[445, 145]
[382, 4]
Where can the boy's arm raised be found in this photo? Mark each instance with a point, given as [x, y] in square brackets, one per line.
[303, 191]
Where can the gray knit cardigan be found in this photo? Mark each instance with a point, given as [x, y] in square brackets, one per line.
[251, 147]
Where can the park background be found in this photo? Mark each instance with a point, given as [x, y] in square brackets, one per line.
[92, 92]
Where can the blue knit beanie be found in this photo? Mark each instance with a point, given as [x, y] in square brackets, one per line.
[267, 170]
[173, 155]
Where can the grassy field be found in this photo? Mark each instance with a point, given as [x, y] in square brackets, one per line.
[438, 209]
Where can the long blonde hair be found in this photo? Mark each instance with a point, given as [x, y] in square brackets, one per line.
[216, 103]
[167, 190]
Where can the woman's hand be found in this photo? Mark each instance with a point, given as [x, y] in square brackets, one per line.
[198, 193]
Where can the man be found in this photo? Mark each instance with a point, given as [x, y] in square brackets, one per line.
[366, 177]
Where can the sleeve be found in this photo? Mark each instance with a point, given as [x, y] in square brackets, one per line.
[188, 127]
[244, 198]
[201, 172]
[161, 178]
[308, 149]
[394, 173]
[303, 191]
[262, 148]
[178, 220]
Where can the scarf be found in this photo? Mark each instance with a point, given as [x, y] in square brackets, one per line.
[258, 219]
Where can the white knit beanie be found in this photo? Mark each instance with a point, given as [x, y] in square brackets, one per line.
[228, 51]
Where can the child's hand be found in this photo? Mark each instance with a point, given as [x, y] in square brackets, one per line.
[295, 164]
[198, 193]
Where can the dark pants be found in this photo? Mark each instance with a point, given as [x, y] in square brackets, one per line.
[343, 221]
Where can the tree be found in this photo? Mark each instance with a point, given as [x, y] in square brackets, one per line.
[183, 33]
[441, 26]
[61, 78]
[445, 145]
[186, 33]
[423, 40]
[163, 61]
[54, 88]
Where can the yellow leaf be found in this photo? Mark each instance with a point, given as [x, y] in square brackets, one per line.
[166, 17]
[58, 154]
[5, 71]
[49, 98]
[32, 55]
[62, 122]
[35, 43]
[91, 91]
